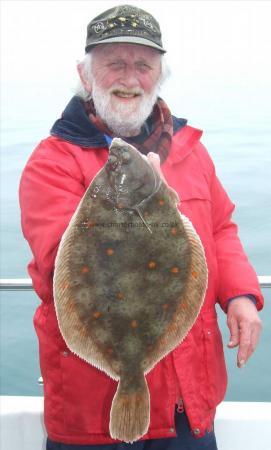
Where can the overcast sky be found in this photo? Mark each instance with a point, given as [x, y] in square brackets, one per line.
[215, 48]
[42, 40]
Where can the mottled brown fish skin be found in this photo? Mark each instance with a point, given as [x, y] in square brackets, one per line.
[127, 276]
[127, 288]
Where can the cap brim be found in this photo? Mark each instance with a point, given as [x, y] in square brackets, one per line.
[128, 40]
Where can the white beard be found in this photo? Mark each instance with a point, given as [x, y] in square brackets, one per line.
[124, 119]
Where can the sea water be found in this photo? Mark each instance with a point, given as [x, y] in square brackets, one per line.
[237, 137]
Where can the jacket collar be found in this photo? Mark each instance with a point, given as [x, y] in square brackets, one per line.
[183, 144]
[74, 126]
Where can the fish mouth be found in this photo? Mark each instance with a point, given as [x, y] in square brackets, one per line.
[139, 187]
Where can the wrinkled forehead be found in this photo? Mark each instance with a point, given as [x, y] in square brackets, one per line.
[126, 51]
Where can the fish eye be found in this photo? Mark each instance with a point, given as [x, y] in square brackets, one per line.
[126, 157]
[112, 159]
[112, 163]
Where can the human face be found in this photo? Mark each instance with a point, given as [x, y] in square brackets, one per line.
[125, 82]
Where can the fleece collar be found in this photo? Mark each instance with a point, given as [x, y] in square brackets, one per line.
[74, 126]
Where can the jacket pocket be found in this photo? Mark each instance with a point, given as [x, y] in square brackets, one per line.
[87, 395]
[196, 204]
[214, 367]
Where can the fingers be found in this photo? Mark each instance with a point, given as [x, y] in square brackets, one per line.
[254, 338]
[234, 332]
[245, 342]
[154, 159]
[250, 334]
[245, 328]
[247, 336]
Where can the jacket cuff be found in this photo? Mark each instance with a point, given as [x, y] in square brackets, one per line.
[249, 296]
[235, 293]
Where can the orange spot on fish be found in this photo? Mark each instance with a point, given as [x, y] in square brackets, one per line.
[90, 224]
[65, 284]
[175, 269]
[161, 202]
[151, 264]
[109, 350]
[97, 314]
[120, 295]
[120, 205]
[146, 213]
[134, 324]
[183, 306]
[194, 274]
[85, 269]
[165, 306]
[173, 231]
[109, 251]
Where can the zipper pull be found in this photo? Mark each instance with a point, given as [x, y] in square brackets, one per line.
[180, 406]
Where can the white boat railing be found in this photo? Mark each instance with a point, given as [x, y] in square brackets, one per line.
[25, 284]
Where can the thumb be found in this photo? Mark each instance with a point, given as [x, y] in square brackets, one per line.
[234, 332]
[154, 159]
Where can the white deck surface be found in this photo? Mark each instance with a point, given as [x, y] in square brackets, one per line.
[238, 426]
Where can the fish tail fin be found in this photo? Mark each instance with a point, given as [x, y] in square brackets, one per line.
[130, 412]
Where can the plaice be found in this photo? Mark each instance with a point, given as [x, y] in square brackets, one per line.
[130, 278]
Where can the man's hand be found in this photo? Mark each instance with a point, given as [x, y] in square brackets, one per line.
[154, 159]
[245, 328]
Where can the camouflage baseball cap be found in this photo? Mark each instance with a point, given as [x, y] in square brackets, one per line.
[124, 23]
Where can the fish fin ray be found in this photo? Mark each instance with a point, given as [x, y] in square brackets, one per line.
[130, 413]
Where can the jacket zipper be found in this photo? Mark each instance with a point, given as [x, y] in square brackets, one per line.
[180, 406]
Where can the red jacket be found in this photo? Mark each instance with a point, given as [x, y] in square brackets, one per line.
[78, 396]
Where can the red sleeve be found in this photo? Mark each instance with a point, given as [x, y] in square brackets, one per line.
[235, 274]
[49, 194]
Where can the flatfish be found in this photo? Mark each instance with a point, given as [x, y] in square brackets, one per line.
[129, 281]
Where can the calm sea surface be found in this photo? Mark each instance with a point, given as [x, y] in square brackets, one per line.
[239, 143]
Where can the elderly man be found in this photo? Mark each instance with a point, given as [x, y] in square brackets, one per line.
[120, 79]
